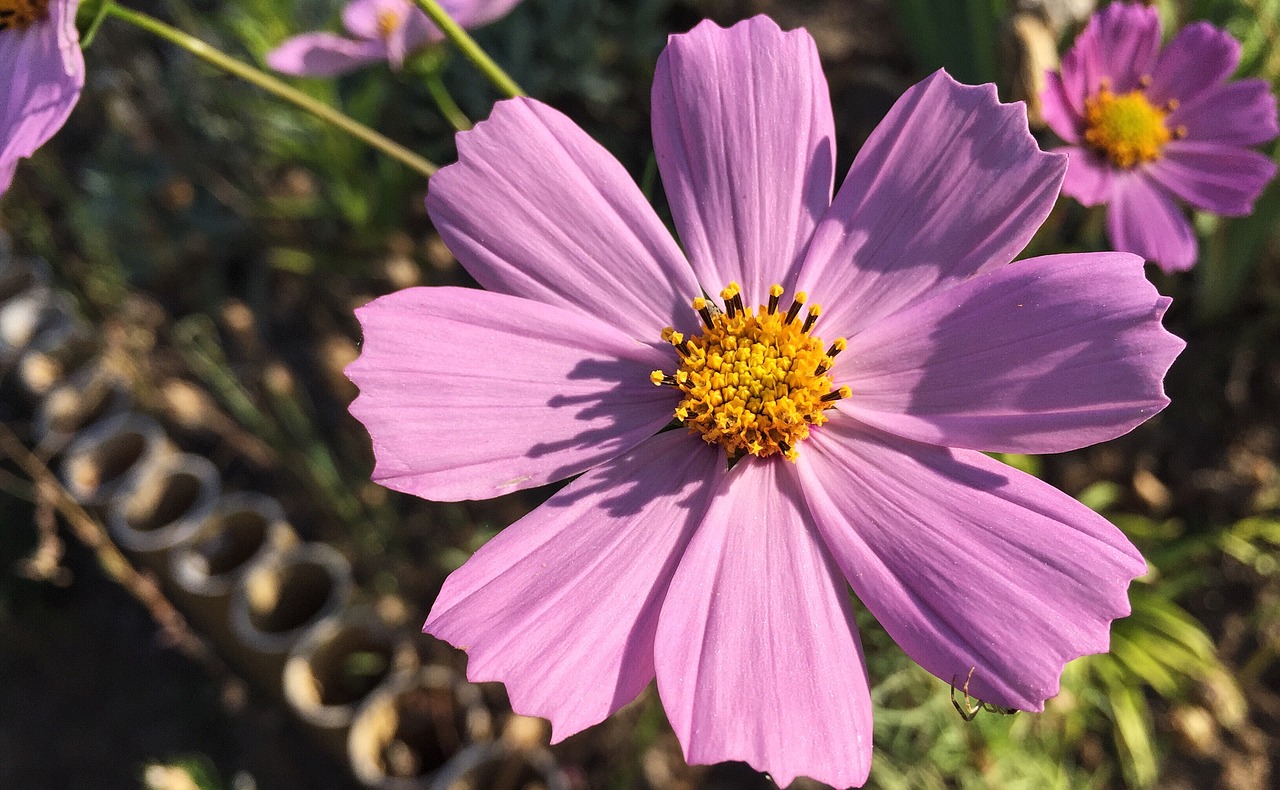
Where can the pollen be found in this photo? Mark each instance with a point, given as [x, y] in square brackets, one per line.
[1128, 128]
[388, 22]
[755, 380]
[19, 14]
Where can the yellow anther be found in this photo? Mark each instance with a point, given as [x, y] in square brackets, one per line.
[839, 394]
[775, 293]
[20, 14]
[388, 22]
[1126, 127]
[753, 382]
[796, 303]
[814, 312]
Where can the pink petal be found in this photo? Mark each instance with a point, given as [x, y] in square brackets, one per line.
[536, 208]
[1089, 176]
[43, 73]
[950, 184]
[562, 606]
[324, 55]
[1077, 71]
[1119, 43]
[745, 142]
[1198, 58]
[1219, 178]
[1239, 113]
[1056, 108]
[1143, 218]
[758, 659]
[414, 33]
[1045, 355]
[469, 394]
[969, 564]
[411, 32]
[476, 13]
[418, 31]
[361, 17]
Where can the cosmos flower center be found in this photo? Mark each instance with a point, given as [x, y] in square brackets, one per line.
[753, 381]
[388, 22]
[19, 14]
[1127, 127]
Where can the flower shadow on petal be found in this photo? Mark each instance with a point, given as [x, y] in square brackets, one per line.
[604, 405]
[951, 184]
[633, 492]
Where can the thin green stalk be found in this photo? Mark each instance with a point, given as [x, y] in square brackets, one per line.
[87, 39]
[448, 107]
[275, 87]
[468, 46]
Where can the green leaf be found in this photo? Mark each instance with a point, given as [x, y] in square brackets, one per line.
[958, 35]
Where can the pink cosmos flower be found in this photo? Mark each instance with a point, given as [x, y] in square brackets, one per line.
[387, 30]
[41, 74]
[1147, 127]
[717, 555]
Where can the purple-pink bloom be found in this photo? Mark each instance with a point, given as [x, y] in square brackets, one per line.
[41, 74]
[701, 555]
[1147, 127]
[387, 30]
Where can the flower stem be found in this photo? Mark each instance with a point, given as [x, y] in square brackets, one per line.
[468, 46]
[98, 15]
[448, 107]
[275, 87]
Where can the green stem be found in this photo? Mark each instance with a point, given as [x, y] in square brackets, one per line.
[275, 87]
[448, 107]
[468, 46]
[87, 39]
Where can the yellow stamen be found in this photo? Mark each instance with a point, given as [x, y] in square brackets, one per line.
[797, 302]
[388, 22]
[1127, 127]
[755, 380]
[775, 293]
[20, 14]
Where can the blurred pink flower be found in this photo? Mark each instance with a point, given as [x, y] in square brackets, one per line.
[1147, 127]
[41, 74]
[387, 30]
[702, 555]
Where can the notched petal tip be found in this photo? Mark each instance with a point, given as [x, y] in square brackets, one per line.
[708, 27]
[471, 141]
[1014, 113]
[950, 184]
[744, 141]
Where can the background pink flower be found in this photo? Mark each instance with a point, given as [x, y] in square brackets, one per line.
[1147, 127]
[41, 74]
[729, 582]
[386, 30]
